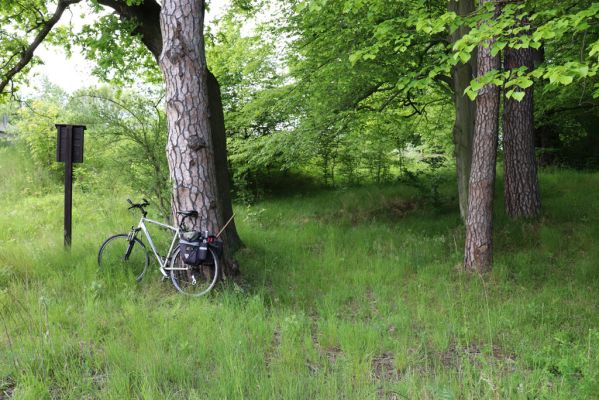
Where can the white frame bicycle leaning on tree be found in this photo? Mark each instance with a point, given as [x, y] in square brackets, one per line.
[127, 252]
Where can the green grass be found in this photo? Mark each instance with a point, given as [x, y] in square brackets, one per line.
[352, 294]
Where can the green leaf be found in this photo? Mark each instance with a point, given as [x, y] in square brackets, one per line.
[464, 57]
[497, 47]
[354, 57]
[518, 96]
[471, 93]
[525, 83]
[565, 79]
[536, 45]
[476, 85]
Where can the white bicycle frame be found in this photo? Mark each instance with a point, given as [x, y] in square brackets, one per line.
[167, 258]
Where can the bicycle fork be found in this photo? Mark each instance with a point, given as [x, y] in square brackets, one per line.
[131, 239]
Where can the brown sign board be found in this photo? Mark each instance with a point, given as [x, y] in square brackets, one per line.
[76, 143]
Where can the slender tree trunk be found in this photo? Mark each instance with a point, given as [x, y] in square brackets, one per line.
[463, 128]
[521, 186]
[479, 227]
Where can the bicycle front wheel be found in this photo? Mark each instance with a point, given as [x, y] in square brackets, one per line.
[118, 253]
[194, 280]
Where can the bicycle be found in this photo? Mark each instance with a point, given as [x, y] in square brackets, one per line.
[127, 252]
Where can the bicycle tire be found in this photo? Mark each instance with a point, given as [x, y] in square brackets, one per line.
[109, 255]
[194, 281]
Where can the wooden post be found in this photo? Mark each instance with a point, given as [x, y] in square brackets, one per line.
[69, 150]
[68, 186]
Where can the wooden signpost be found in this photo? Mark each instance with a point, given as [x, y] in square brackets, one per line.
[69, 150]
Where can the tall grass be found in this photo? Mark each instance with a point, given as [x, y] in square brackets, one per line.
[352, 294]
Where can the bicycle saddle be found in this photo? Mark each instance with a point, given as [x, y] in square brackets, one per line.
[188, 213]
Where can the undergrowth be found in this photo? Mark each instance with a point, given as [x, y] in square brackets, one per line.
[353, 293]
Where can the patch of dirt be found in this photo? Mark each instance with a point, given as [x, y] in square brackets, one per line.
[383, 367]
[501, 354]
[454, 356]
[312, 367]
[99, 379]
[332, 353]
[388, 395]
[7, 388]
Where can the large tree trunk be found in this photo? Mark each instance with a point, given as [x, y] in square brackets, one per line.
[190, 148]
[521, 186]
[463, 128]
[479, 227]
[147, 17]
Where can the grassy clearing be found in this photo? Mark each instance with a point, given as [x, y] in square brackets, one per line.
[346, 294]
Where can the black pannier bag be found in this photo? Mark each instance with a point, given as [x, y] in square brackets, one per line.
[192, 248]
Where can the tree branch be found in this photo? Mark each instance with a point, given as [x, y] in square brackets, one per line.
[147, 16]
[27, 54]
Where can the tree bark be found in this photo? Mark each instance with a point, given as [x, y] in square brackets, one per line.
[463, 128]
[190, 147]
[479, 227]
[521, 185]
[147, 17]
[189, 144]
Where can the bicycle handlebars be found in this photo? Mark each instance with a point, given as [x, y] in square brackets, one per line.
[146, 203]
[141, 206]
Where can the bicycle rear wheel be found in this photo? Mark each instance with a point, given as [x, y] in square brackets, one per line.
[194, 280]
[118, 253]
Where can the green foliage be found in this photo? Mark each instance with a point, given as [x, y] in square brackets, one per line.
[539, 26]
[124, 141]
[361, 76]
[566, 120]
[246, 69]
[430, 181]
[19, 23]
[338, 88]
[40, 136]
[110, 41]
[344, 100]
[130, 128]
[117, 50]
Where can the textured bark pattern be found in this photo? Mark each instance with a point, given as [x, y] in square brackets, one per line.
[479, 227]
[189, 146]
[463, 129]
[521, 186]
[147, 17]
